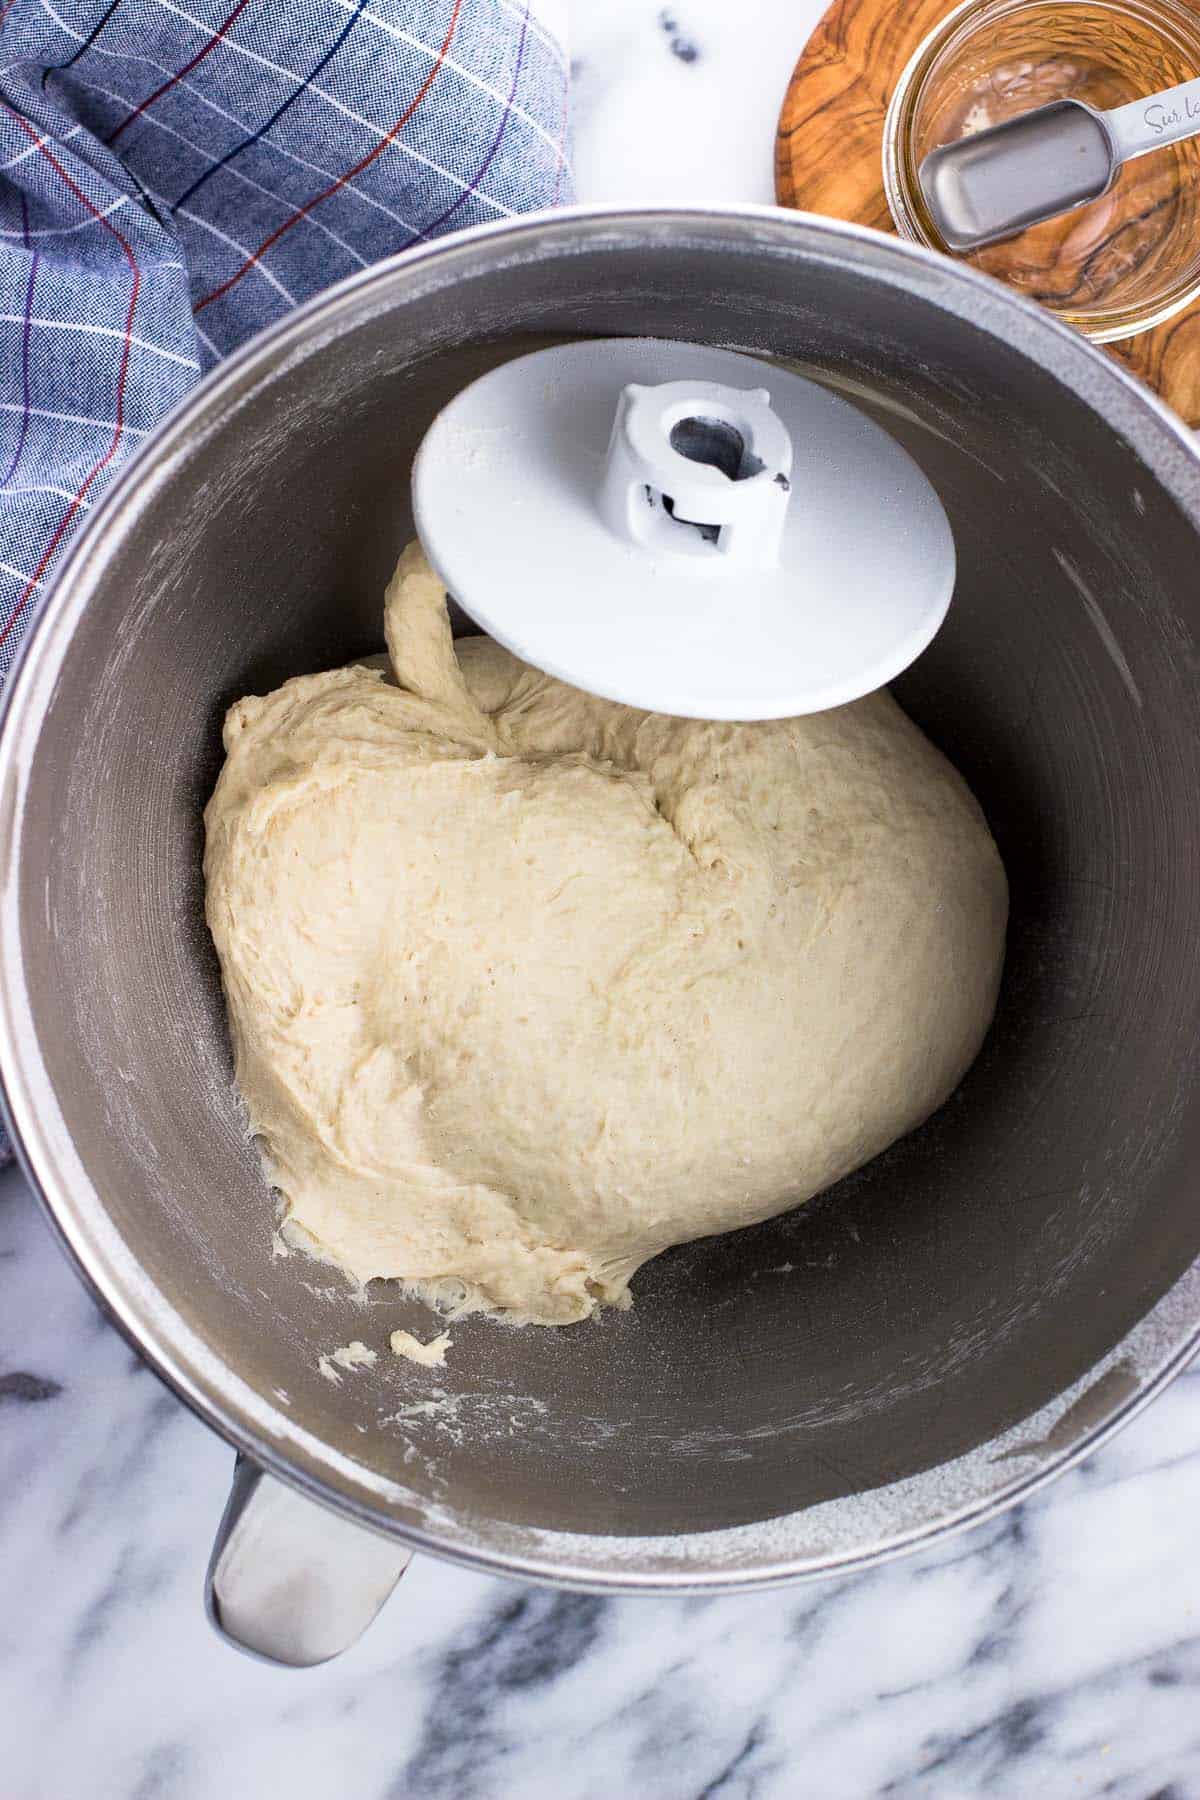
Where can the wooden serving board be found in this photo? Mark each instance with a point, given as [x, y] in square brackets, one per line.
[829, 146]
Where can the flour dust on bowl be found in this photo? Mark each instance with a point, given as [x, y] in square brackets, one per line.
[917, 1346]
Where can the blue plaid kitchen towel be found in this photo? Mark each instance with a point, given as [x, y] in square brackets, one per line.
[176, 174]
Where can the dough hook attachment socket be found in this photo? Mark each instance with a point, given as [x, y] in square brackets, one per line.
[698, 469]
[682, 529]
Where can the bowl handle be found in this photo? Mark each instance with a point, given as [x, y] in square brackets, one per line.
[290, 1581]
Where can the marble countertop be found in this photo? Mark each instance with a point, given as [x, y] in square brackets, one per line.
[1055, 1652]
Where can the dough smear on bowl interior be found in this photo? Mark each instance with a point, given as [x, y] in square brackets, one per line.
[525, 986]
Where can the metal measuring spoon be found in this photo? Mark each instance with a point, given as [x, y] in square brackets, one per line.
[1042, 163]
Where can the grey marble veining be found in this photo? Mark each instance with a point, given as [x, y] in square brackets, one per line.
[1054, 1653]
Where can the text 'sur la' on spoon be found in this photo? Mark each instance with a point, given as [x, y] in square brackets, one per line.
[1001, 181]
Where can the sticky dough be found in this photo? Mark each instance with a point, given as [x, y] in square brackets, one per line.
[525, 986]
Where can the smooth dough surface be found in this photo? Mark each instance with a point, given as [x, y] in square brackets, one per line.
[525, 986]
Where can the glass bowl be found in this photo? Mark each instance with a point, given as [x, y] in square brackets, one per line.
[1121, 263]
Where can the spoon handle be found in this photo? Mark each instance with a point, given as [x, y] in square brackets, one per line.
[1159, 119]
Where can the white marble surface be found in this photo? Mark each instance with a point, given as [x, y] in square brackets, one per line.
[1056, 1653]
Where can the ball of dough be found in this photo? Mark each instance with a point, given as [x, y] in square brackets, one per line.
[525, 986]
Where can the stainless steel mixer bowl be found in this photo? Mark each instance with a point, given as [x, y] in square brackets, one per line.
[920, 1345]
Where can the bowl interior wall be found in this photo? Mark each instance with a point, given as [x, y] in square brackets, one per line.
[927, 1303]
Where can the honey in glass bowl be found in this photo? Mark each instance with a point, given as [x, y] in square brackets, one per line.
[1121, 263]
